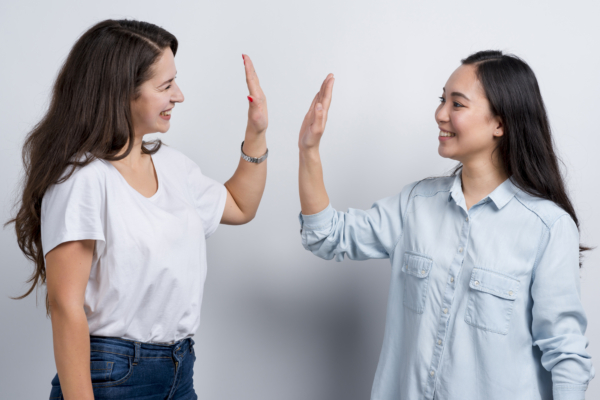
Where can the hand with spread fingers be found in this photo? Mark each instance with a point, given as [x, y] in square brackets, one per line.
[314, 122]
[258, 118]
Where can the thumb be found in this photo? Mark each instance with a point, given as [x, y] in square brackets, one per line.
[256, 101]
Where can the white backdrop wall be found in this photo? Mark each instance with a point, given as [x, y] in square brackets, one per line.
[279, 323]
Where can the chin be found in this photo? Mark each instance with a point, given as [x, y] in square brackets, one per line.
[443, 152]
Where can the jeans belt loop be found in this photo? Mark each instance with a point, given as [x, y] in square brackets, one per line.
[138, 350]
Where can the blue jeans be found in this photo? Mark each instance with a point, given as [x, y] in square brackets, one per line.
[124, 369]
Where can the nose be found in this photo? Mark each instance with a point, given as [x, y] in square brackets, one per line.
[177, 96]
[441, 114]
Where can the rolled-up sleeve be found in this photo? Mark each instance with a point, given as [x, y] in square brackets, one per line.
[357, 234]
[559, 321]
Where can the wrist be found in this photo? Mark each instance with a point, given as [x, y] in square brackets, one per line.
[254, 148]
[252, 131]
[310, 153]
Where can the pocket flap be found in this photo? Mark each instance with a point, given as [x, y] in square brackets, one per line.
[417, 265]
[494, 283]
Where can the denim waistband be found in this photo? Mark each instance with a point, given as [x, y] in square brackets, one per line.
[131, 348]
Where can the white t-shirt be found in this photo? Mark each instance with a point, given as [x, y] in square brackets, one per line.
[149, 264]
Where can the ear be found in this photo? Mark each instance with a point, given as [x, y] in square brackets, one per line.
[499, 131]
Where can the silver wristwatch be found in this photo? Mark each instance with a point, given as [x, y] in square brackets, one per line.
[254, 159]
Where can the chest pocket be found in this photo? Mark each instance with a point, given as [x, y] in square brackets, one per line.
[415, 269]
[491, 300]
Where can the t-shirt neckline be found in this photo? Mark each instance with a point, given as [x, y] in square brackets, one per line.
[159, 180]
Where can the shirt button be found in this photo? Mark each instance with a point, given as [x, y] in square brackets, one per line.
[431, 373]
[467, 219]
[439, 341]
[451, 279]
[460, 249]
[422, 272]
[445, 311]
[476, 283]
[510, 292]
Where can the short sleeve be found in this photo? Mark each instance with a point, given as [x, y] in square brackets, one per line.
[73, 209]
[209, 197]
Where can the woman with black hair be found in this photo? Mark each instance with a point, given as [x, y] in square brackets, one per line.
[116, 226]
[484, 296]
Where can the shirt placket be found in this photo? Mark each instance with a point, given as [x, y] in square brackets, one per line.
[446, 308]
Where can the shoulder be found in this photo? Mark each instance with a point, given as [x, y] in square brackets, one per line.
[425, 187]
[90, 174]
[170, 154]
[174, 160]
[84, 185]
[545, 210]
[429, 186]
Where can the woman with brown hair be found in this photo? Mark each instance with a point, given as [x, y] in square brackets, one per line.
[117, 226]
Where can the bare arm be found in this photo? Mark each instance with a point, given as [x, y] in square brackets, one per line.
[246, 186]
[67, 272]
[313, 196]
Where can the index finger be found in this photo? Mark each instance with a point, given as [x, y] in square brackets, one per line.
[251, 77]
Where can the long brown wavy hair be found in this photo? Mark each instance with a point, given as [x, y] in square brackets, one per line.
[89, 117]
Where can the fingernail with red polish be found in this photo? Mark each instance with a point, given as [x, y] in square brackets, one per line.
[250, 99]
[244, 59]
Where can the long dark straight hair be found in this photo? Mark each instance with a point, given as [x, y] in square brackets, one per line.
[526, 148]
[89, 117]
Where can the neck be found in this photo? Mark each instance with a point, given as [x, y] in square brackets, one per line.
[135, 156]
[480, 178]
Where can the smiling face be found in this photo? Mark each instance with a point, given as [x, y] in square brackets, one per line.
[468, 129]
[151, 110]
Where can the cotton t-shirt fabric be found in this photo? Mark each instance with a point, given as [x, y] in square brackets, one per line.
[149, 263]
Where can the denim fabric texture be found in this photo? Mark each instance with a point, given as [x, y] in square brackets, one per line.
[483, 302]
[124, 369]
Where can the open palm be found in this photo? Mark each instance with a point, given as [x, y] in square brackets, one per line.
[314, 122]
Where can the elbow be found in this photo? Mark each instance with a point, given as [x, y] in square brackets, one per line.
[64, 306]
[247, 218]
[242, 219]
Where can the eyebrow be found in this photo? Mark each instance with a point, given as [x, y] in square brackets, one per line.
[457, 94]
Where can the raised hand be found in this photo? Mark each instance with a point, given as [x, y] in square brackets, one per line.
[313, 196]
[258, 118]
[314, 122]
[246, 186]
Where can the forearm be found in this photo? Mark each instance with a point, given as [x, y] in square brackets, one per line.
[72, 351]
[247, 184]
[313, 195]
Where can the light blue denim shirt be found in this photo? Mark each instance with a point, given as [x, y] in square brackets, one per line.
[483, 304]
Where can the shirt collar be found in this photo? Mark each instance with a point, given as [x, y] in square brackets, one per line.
[503, 193]
[500, 196]
[456, 192]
